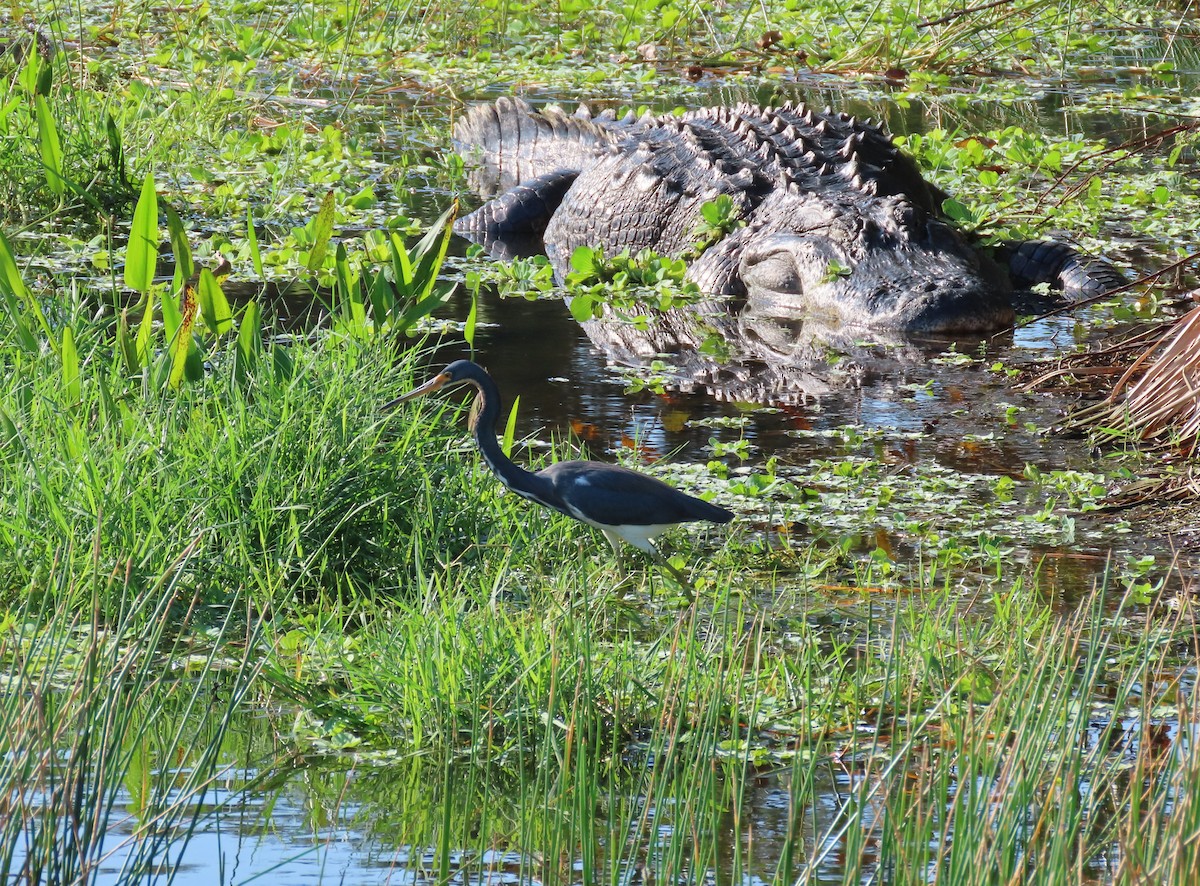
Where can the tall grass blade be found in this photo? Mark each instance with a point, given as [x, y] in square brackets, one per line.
[70, 367]
[510, 428]
[141, 255]
[252, 241]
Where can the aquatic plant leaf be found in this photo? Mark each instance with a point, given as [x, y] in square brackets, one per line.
[184, 266]
[141, 254]
[145, 331]
[282, 361]
[126, 345]
[472, 319]
[249, 344]
[172, 317]
[214, 306]
[13, 292]
[181, 339]
[381, 294]
[116, 150]
[50, 147]
[322, 231]
[37, 76]
[430, 252]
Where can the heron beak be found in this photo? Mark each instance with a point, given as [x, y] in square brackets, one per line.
[434, 384]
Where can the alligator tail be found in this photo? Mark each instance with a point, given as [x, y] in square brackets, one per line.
[1079, 276]
[516, 142]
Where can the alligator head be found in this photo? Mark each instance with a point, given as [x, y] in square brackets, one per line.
[879, 264]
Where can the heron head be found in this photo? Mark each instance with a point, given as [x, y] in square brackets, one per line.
[456, 373]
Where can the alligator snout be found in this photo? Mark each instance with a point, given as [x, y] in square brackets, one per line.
[910, 290]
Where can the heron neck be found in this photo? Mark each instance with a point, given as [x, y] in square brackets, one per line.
[483, 426]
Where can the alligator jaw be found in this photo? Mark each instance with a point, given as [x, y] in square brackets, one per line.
[905, 289]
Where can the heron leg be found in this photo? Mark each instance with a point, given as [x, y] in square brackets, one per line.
[689, 590]
[619, 552]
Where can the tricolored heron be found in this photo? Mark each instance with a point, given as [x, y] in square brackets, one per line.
[621, 503]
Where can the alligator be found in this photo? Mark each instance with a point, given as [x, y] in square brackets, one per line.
[831, 218]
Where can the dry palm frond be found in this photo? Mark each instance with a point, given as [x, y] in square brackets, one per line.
[1165, 400]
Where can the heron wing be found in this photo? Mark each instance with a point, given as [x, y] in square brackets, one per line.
[611, 495]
